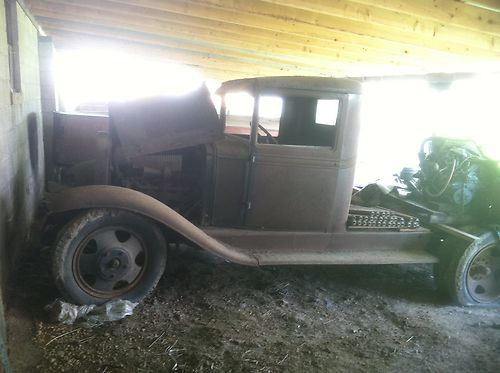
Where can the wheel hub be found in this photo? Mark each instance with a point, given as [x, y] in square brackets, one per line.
[113, 263]
[483, 277]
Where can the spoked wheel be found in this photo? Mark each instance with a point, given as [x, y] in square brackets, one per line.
[108, 254]
[471, 275]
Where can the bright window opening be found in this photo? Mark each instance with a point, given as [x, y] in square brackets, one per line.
[270, 113]
[396, 116]
[326, 112]
[89, 78]
[239, 111]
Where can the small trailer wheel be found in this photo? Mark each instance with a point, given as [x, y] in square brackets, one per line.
[105, 254]
[470, 275]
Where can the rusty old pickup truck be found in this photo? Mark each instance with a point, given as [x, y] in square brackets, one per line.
[271, 185]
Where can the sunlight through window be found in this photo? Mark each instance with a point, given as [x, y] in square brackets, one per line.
[397, 116]
[98, 76]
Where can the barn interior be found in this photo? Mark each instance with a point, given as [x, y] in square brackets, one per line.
[427, 68]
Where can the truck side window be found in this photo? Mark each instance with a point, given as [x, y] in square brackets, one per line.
[326, 112]
[239, 110]
[308, 121]
[270, 108]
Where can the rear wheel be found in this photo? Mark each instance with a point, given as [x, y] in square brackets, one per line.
[470, 275]
[106, 254]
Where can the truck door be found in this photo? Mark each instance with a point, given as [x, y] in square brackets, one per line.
[302, 178]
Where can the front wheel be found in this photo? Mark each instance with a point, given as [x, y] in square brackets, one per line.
[106, 254]
[470, 275]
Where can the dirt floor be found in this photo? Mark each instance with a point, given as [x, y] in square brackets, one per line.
[209, 315]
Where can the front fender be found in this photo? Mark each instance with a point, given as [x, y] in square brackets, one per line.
[106, 196]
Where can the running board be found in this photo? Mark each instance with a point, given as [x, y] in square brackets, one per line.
[279, 248]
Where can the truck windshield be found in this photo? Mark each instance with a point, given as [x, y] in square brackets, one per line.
[239, 110]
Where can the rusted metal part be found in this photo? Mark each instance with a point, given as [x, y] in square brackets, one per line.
[369, 218]
[99, 196]
[158, 124]
[75, 137]
[249, 185]
[427, 215]
[299, 188]
[278, 247]
[227, 193]
[455, 232]
[103, 159]
[257, 247]
[297, 84]
[306, 186]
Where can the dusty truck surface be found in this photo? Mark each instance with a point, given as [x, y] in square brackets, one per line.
[269, 186]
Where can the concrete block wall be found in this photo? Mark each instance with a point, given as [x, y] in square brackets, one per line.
[21, 149]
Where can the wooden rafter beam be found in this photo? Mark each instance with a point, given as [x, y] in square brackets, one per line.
[313, 26]
[425, 25]
[165, 22]
[462, 13]
[271, 63]
[300, 37]
[490, 5]
[277, 17]
[323, 62]
[67, 41]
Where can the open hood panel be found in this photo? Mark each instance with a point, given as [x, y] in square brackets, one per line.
[162, 123]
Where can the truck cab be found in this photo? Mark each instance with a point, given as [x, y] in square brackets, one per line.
[291, 170]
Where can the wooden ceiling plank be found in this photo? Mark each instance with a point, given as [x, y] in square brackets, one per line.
[150, 34]
[250, 14]
[72, 39]
[459, 13]
[126, 33]
[365, 69]
[232, 33]
[139, 24]
[390, 18]
[68, 42]
[490, 5]
[302, 20]
[250, 30]
[282, 62]
[288, 65]
[405, 56]
[301, 45]
[209, 63]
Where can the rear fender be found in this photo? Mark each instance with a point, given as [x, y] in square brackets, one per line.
[106, 196]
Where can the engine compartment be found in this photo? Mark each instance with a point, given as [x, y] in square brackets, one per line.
[455, 177]
[455, 184]
[156, 145]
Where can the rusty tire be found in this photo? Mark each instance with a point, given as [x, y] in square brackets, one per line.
[105, 254]
[469, 275]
